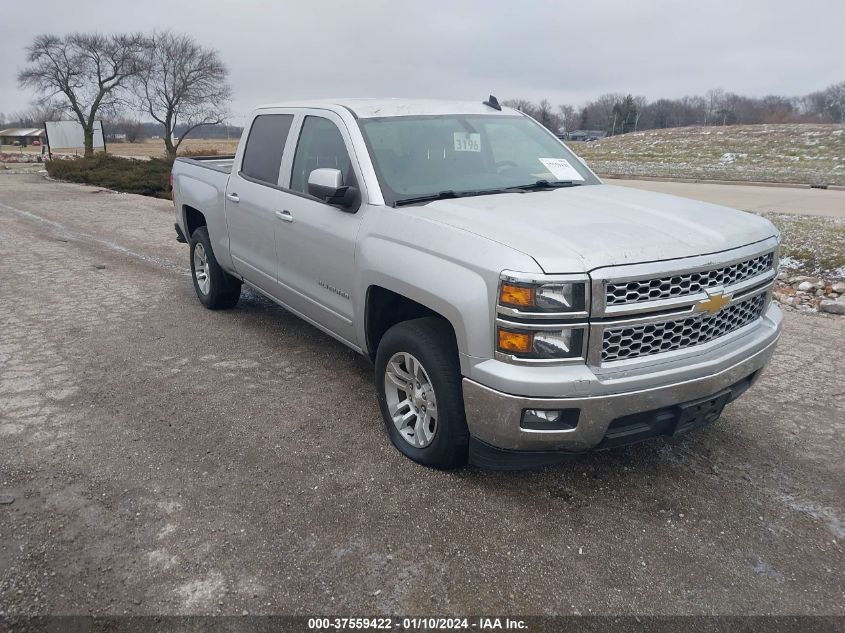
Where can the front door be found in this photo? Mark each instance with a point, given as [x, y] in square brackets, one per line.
[315, 242]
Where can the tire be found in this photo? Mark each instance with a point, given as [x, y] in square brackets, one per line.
[440, 440]
[216, 289]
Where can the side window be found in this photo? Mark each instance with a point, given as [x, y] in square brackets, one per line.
[320, 145]
[264, 147]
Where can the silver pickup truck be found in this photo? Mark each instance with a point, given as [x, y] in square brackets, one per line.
[516, 308]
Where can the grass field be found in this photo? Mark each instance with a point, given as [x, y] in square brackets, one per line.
[792, 153]
[150, 148]
[811, 245]
[144, 149]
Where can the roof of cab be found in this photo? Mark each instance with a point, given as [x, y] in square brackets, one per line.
[372, 108]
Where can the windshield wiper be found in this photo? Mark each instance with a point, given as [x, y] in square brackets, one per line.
[445, 195]
[542, 185]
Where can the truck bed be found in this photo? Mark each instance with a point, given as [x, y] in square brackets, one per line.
[199, 183]
[217, 163]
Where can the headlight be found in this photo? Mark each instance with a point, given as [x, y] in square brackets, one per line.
[553, 297]
[555, 343]
[542, 318]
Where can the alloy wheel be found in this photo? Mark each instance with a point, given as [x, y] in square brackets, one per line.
[410, 399]
[201, 268]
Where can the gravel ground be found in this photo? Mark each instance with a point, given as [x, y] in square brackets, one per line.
[165, 459]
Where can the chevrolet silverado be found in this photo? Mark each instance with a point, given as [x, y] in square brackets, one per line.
[516, 308]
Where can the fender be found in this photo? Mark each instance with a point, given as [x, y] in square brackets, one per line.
[458, 279]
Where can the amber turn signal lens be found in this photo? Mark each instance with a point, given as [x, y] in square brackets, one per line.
[515, 342]
[512, 295]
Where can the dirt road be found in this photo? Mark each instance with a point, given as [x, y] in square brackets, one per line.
[168, 459]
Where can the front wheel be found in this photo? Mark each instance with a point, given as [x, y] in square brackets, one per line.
[215, 288]
[418, 381]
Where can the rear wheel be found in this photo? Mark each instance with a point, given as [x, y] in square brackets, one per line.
[418, 381]
[215, 288]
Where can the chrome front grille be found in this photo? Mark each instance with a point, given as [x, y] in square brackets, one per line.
[635, 341]
[640, 290]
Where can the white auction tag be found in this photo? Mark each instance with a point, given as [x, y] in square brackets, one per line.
[467, 142]
[561, 168]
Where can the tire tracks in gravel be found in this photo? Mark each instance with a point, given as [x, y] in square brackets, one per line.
[65, 232]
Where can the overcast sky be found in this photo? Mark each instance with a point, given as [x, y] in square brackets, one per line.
[566, 51]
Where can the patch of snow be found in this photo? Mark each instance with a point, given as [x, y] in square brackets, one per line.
[729, 157]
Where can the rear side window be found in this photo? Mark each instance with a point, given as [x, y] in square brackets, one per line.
[265, 146]
[320, 145]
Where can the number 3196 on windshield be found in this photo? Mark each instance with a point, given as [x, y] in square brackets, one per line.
[467, 142]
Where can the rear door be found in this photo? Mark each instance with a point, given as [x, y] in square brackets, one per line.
[253, 198]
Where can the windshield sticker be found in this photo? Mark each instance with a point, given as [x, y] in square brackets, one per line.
[467, 142]
[561, 169]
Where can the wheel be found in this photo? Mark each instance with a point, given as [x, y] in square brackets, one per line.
[215, 288]
[418, 381]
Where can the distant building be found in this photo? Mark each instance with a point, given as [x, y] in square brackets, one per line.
[22, 136]
[587, 135]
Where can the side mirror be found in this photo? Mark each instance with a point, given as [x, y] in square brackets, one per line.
[327, 184]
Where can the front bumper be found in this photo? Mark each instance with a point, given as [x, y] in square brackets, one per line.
[494, 416]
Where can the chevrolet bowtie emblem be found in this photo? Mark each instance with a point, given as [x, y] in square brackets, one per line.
[713, 303]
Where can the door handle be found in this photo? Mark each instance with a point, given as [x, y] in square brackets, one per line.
[284, 216]
[233, 197]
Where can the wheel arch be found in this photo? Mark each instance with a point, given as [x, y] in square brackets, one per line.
[386, 308]
[194, 218]
[429, 284]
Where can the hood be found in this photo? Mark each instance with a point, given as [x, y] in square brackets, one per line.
[579, 229]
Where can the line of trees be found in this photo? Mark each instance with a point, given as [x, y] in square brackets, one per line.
[616, 113]
[119, 126]
[181, 85]
[122, 77]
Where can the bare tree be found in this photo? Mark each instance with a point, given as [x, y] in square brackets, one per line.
[34, 116]
[814, 107]
[183, 83]
[131, 128]
[777, 109]
[598, 114]
[567, 118]
[715, 99]
[545, 114]
[523, 105]
[835, 101]
[82, 73]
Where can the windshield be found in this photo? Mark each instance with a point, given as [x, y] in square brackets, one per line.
[421, 156]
